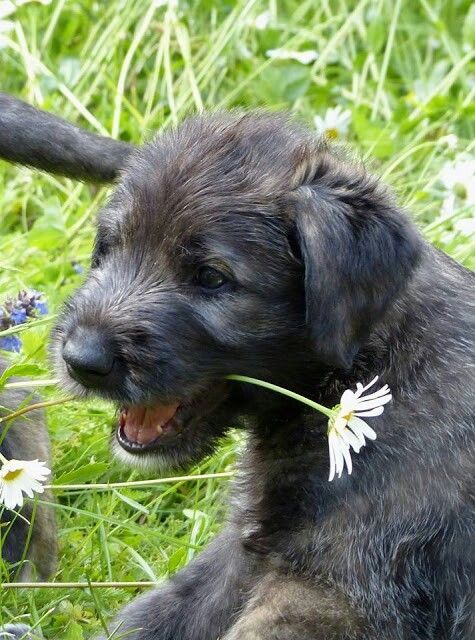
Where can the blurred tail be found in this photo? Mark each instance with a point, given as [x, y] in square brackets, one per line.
[41, 140]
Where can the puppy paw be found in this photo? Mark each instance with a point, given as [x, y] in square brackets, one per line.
[18, 632]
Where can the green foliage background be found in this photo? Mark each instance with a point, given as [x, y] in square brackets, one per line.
[406, 71]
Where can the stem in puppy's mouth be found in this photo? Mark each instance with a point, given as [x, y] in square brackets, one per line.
[285, 392]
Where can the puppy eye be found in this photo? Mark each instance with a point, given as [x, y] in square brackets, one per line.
[210, 278]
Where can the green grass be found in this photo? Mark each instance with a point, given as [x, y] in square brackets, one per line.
[405, 69]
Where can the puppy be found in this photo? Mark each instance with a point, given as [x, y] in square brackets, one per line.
[239, 244]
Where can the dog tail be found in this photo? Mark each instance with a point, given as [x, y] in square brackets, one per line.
[38, 139]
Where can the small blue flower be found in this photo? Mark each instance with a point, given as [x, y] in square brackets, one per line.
[18, 315]
[78, 268]
[10, 343]
[16, 311]
[41, 307]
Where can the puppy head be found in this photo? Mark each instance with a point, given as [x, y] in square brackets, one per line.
[232, 245]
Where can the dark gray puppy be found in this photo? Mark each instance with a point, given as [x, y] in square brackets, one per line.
[29, 554]
[238, 244]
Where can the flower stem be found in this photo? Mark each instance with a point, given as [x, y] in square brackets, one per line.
[285, 392]
[78, 585]
[136, 484]
[18, 328]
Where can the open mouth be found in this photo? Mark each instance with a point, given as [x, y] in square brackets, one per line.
[143, 428]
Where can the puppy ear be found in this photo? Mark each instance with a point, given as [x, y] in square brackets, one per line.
[359, 251]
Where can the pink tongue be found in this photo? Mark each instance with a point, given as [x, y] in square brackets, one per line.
[144, 424]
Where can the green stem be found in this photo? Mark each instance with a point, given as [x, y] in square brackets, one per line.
[284, 392]
[18, 328]
[28, 384]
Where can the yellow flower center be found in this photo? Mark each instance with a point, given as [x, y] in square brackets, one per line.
[346, 417]
[332, 134]
[12, 475]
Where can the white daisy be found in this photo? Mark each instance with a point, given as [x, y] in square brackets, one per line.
[466, 226]
[459, 180]
[6, 8]
[18, 477]
[334, 124]
[347, 431]
[304, 57]
[450, 141]
[261, 21]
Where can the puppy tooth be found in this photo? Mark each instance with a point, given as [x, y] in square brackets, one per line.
[159, 429]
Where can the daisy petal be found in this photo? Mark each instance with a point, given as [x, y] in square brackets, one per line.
[347, 456]
[339, 460]
[27, 490]
[348, 401]
[361, 389]
[371, 413]
[352, 440]
[376, 402]
[332, 459]
[357, 425]
[377, 394]
[12, 497]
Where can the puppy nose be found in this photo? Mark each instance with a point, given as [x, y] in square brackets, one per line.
[89, 355]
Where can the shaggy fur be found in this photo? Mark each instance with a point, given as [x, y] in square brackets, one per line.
[328, 284]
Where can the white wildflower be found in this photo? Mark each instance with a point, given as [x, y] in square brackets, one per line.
[448, 205]
[304, 57]
[18, 477]
[458, 179]
[261, 21]
[465, 226]
[450, 141]
[43, 2]
[334, 124]
[347, 431]
[6, 8]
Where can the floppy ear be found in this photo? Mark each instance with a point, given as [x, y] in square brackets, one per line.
[359, 251]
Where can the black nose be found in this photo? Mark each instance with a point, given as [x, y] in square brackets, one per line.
[89, 355]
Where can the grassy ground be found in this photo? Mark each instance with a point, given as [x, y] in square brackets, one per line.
[404, 68]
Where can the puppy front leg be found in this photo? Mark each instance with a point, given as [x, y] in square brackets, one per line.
[199, 603]
[290, 608]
